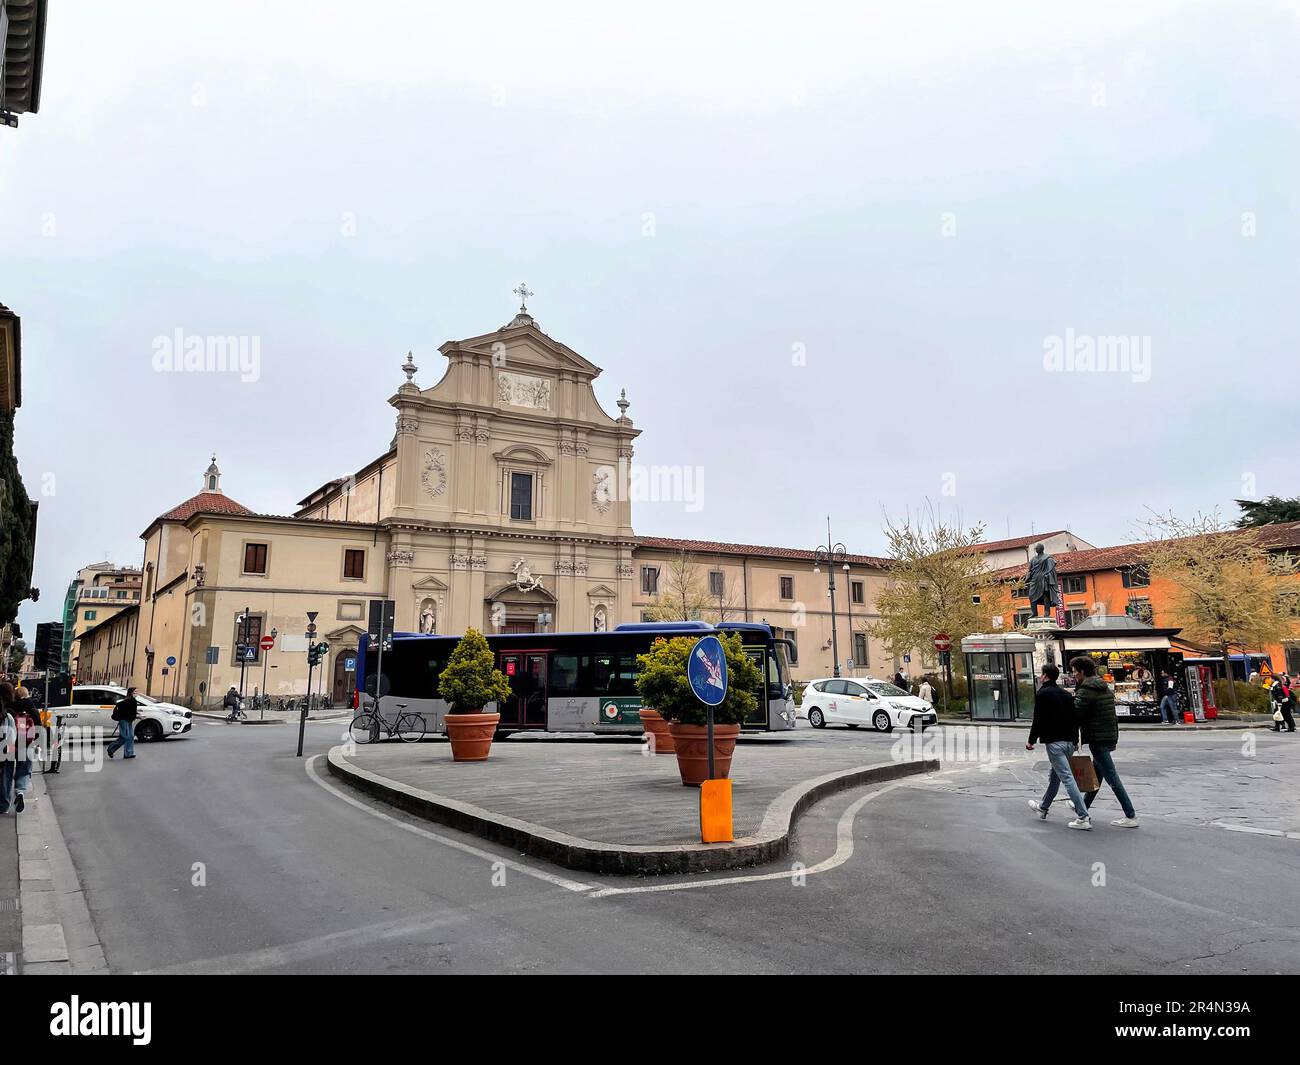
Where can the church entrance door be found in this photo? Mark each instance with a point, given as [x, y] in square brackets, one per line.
[345, 680]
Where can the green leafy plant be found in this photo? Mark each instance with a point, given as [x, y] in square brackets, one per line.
[663, 686]
[471, 681]
[1251, 698]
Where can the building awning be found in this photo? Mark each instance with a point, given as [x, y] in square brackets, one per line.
[1115, 643]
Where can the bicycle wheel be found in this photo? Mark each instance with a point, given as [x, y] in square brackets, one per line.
[365, 728]
[410, 727]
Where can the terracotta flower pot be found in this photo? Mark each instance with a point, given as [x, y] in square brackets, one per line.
[692, 742]
[471, 735]
[658, 729]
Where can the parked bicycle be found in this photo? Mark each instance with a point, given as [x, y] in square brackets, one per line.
[367, 726]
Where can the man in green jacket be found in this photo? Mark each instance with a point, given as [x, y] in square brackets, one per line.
[1099, 729]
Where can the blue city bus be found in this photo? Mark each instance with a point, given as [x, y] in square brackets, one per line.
[564, 681]
[1242, 665]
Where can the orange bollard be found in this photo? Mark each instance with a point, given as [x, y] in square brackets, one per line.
[715, 811]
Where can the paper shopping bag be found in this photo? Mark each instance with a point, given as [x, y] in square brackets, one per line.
[1085, 775]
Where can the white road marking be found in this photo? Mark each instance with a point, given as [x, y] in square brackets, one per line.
[446, 841]
[843, 852]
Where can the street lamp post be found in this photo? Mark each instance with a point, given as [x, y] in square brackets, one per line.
[848, 610]
[831, 555]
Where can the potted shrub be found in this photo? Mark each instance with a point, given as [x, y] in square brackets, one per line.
[662, 684]
[469, 683]
[657, 727]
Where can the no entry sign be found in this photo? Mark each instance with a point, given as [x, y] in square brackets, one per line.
[268, 642]
[942, 642]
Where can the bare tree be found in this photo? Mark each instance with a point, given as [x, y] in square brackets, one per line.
[938, 583]
[686, 594]
[1227, 588]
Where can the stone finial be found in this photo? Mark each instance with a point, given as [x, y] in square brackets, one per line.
[409, 368]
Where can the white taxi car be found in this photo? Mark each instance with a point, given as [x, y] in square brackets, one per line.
[865, 701]
[92, 707]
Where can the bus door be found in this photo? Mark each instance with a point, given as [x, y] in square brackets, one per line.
[526, 672]
[758, 719]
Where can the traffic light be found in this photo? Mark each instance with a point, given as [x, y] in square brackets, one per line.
[49, 645]
[316, 652]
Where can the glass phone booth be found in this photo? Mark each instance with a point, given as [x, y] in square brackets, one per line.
[999, 676]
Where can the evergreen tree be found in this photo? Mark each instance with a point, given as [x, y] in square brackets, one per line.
[1268, 511]
[17, 528]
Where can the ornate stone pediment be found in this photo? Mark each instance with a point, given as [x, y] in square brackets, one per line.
[429, 583]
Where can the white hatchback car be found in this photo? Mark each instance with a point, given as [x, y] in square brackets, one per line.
[92, 707]
[845, 701]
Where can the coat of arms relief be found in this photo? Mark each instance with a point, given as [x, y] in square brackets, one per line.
[434, 475]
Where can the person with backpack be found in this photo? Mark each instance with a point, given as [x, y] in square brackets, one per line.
[125, 713]
[20, 734]
[1283, 696]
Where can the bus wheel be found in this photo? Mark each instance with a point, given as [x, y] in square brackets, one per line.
[815, 718]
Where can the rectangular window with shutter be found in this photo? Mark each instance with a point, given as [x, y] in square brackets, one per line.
[354, 564]
[255, 558]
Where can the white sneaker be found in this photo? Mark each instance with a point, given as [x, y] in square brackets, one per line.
[1042, 814]
[1081, 823]
[1126, 822]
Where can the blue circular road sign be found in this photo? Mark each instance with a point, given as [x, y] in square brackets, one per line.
[706, 670]
[171, 660]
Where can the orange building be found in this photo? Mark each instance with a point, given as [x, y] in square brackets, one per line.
[1113, 580]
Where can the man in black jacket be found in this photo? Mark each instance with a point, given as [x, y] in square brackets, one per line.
[1057, 724]
[124, 713]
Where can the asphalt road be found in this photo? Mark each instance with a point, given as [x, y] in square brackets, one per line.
[222, 852]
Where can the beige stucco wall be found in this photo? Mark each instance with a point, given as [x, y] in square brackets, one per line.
[304, 572]
[753, 587]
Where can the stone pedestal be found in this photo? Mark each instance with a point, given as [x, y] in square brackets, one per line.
[1046, 650]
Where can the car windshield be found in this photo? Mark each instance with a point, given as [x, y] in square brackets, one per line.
[881, 688]
[143, 699]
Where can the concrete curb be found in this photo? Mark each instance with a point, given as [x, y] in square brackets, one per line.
[59, 937]
[277, 720]
[1204, 726]
[772, 840]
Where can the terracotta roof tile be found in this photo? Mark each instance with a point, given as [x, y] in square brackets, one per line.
[204, 502]
[1272, 537]
[1017, 541]
[713, 547]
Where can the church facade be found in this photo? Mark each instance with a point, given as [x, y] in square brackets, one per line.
[501, 503]
[499, 495]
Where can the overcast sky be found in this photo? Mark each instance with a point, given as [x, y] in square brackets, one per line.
[827, 249]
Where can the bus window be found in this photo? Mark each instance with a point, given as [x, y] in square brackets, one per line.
[564, 675]
[611, 674]
[625, 679]
[602, 670]
[782, 664]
